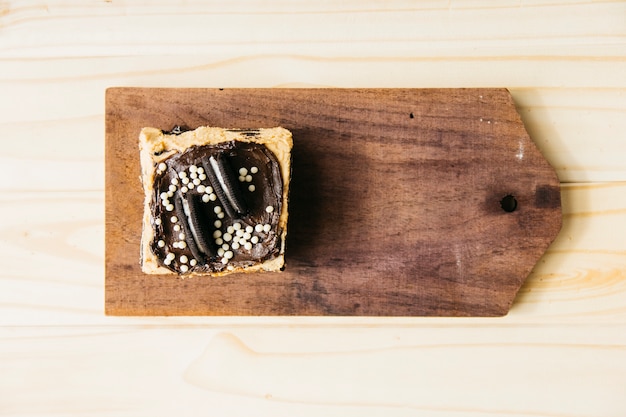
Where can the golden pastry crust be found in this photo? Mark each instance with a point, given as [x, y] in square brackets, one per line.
[156, 146]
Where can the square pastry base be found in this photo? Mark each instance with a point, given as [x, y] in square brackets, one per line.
[394, 202]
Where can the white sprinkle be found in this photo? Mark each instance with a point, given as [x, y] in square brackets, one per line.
[167, 261]
[254, 170]
[236, 239]
[162, 166]
[217, 209]
[182, 244]
[161, 243]
[170, 193]
[217, 223]
[230, 268]
[182, 174]
[184, 268]
[258, 228]
[205, 198]
[190, 185]
[196, 182]
[220, 252]
[201, 188]
[220, 215]
[228, 254]
[224, 261]
[230, 229]
[200, 170]
[240, 232]
[202, 177]
[251, 188]
[219, 241]
[248, 178]
[235, 245]
[249, 229]
[237, 226]
[173, 219]
[209, 189]
[255, 239]
[185, 180]
[174, 181]
[212, 197]
[172, 188]
[193, 176]
[183, 259]
[225, 246]
[157, 221]
[169, 207]
[181, 236]
[247, 236]
[170, 256]
[227, 237]
[269, 209]
[166, 202]
[247, 245]
[242, 171]
[177, 228]
[217, 234]
[163, 196]
[175, 245]
[193, 168]
[242, 178]
[193, 262]
[184, 190]
[267, 228]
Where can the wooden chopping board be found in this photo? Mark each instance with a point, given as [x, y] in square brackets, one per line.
[403, 202]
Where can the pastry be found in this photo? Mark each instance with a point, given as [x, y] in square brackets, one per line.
[215, 200]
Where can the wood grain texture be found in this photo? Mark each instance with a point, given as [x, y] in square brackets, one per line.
[394, 202]
[53, 270]
[415, 370]
[432, 28]
[558, 352]
[578, 130]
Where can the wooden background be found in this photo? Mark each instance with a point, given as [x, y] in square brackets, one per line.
[560, 352]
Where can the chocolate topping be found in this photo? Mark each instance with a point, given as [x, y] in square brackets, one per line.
[208, 236]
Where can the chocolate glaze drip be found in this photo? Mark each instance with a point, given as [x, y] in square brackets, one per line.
[268, 192]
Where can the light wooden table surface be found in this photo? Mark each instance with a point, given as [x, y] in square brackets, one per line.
[560, 352]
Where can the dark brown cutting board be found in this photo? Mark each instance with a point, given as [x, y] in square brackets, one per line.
[395, 202]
